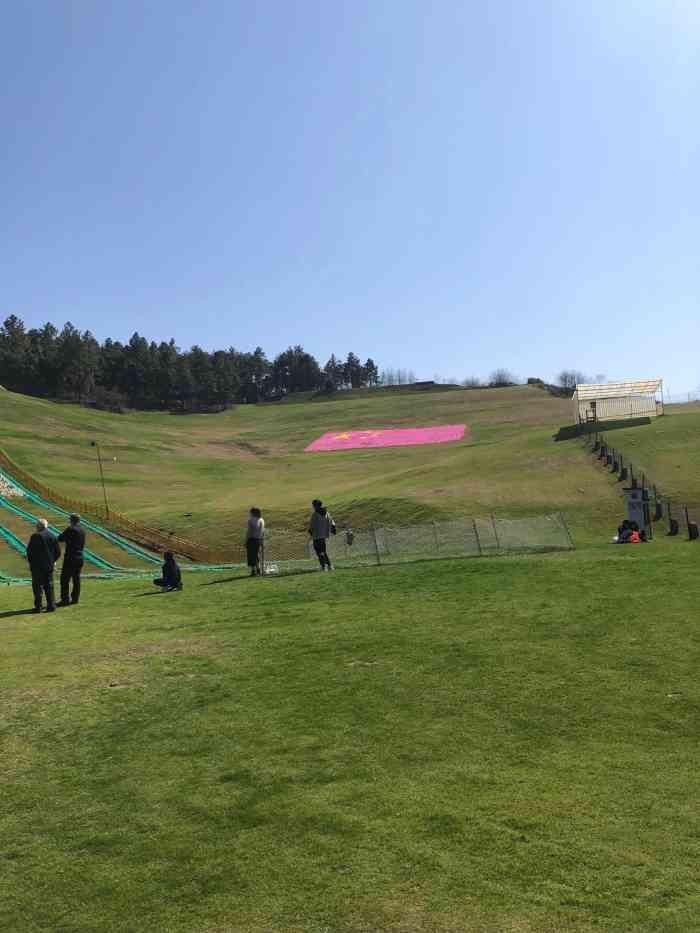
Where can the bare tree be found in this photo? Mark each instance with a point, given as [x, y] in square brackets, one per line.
[501, 377]
[569, 378]
[471, 382]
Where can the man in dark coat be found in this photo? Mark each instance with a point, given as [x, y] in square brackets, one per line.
[42, 553]
[74, 539]
[172, 578]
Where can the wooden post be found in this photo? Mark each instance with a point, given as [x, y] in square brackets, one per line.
[495, 533]
[476, 535]
[566, 529]
[376, 545]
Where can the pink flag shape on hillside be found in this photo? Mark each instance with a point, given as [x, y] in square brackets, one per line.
[395, 437]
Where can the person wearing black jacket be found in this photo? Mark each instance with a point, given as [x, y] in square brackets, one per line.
[42, 553]
[74, 539]
[172, 578]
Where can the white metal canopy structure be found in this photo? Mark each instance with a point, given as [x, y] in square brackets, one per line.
[618, 400]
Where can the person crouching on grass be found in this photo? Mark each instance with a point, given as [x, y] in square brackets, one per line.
[254, 537]
[172, 578]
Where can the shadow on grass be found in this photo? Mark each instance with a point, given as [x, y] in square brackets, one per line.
[570, 431]
[154, 593]
[16, 612]
[268, 576]
[246, 576]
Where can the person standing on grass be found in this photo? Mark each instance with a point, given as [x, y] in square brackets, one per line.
[172, 578]
[254, 537]
[321, 527]
[42, 553]
[74, 539]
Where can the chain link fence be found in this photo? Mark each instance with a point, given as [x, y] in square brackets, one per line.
[289, 552]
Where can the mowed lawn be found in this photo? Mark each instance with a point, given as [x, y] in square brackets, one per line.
[483, 745]
[198, 475]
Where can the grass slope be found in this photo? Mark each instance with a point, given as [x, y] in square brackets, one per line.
[668, 450]
[216, 466]
[493, 745]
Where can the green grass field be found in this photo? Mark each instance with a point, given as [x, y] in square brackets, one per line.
[475, 746]
[504, 744]
[216, 466]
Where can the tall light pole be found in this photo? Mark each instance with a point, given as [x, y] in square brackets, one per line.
[102, 475]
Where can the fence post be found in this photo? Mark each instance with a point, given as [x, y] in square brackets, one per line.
[476, 535]
[495, 533]
[376, 545]
[672, 522]
[647, 510]
[566, 529]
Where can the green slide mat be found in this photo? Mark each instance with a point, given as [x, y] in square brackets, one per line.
[115, 539]
[13, 540]
[89, 556]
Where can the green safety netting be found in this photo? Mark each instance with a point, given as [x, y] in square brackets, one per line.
[129, 574]
[122, 575]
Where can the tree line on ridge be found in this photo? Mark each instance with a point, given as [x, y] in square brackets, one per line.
[74, 366]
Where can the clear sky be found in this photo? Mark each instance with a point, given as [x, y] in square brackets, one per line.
[445, 186]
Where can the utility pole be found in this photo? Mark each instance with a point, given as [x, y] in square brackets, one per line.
[102, 475]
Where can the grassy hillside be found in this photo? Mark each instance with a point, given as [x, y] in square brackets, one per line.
[216, 466]
[495, 745]
[667, 449]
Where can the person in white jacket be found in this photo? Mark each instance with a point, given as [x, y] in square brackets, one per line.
[254, 537]
[321, 527]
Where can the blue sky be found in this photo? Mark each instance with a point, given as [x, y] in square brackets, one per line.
[447, 186]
